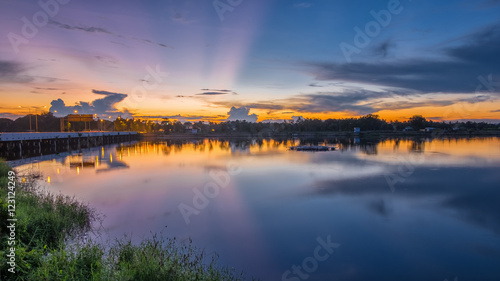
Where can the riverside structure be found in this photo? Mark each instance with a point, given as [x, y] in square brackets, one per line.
[20, 145]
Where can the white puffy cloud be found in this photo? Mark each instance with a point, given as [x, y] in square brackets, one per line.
[241, 113]
[102, 107]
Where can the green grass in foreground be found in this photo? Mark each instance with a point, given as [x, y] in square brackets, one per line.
[46, 222]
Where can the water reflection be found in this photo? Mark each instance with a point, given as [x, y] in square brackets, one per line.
[442, 219]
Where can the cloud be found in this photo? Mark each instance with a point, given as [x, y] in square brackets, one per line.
[15, 72]
[406, 104]
[456, 72]
[315, 85]
[498, 110]
[476, 99]
[216, 90]
[10, 115]
[348, 101]
[352, 101]
[276, 120]
[335, 102]
[152, 42]
[89, 29]
[9, 68]
[109, 61]
[12, 72]
[382, 49]
[181, 18]
[211, 93]
[302, 5]
[486, 120]
[267, 105]
[47, 89]
[107, 103]
[180, 12]
[104, 106]
[297, 118]
[94, 29]
[241, 113]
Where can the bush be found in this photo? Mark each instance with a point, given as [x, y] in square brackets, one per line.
[47, 221]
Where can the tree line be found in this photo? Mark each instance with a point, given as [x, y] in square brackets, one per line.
[47, 122]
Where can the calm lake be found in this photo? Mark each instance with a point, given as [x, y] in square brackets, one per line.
[382, 210]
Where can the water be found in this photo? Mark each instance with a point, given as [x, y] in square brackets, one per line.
[393, 210]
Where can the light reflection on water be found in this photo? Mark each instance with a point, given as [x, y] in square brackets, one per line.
[440, 219]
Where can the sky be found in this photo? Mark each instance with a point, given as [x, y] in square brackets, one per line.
[259, 60]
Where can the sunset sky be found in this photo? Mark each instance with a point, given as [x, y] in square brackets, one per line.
[269, 59]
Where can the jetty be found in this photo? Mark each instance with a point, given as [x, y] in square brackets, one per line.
[21, 145]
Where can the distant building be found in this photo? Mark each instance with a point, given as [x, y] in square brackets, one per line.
[357, 130]
[429, 129]
[190, 129]
[76, 122]
[408, 129]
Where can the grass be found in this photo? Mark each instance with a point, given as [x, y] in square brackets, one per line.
[47, 222]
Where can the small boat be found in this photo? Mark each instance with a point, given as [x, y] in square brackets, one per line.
[82, 164]
[312, 148]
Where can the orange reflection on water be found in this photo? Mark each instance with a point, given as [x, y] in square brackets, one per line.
[488, 148]
[215, 147]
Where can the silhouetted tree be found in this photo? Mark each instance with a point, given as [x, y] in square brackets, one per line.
[417, 122]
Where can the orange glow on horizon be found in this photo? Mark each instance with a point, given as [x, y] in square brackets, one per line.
[188, 111]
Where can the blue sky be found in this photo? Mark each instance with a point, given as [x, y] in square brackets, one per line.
[276, 59]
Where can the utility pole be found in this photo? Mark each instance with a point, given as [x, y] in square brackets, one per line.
[29, 113]
[36, 116]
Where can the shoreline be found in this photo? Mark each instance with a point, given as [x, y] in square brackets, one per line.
[41, 224]
[366, 134]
